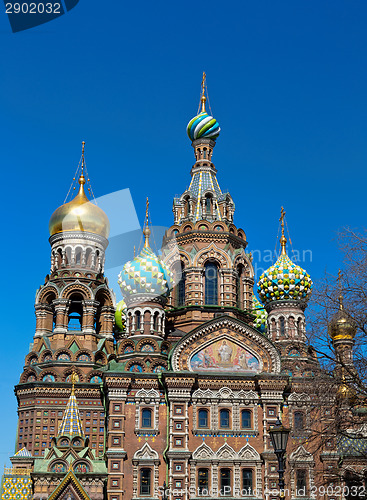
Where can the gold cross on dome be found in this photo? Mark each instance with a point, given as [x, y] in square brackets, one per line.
[281, 219]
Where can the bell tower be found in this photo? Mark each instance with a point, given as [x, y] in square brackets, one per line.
[74, 321]
[213, 273]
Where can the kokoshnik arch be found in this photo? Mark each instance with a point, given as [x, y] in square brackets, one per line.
[178, 382]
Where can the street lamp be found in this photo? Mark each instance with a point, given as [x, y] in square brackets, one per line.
[279, 438]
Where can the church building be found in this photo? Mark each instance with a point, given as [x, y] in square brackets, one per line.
[170, 390]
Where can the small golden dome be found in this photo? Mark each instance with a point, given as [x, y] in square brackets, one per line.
[342, 326]
[80, 214]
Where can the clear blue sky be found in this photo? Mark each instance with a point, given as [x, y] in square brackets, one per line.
[287, 82]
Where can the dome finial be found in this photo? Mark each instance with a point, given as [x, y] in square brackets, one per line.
[283, 239]
[146, 230]
[203, 98]
[73, 379]
[82, 178]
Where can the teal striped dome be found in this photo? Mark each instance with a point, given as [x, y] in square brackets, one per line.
[261, 315]
[284, 281]
[203, 125]
[146, 273]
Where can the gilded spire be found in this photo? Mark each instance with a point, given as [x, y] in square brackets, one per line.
[203, 98]
[71, 424]
[146, 229]
[283, 239]
[82, 178]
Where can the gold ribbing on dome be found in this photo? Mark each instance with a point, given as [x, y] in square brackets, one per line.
[203, 98]
[146, 229]
[283, 239]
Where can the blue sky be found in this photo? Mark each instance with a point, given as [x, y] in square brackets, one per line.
[287, 83]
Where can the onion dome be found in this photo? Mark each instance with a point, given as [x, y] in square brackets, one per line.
[120, 315]
[284, 280]
[80, 214]
[342, 326]
[261, 315]
[203, 125]
[146, 273]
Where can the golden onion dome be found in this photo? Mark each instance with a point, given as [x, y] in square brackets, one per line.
[342, 326]
[80, 214]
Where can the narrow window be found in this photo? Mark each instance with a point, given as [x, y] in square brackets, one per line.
[282, 326]
[239, 290]
[181, 286]
[225, 482]
[203, 418]
[301, 483]
[247, 481]
[145, 481]
[137, 320]
[224, 419]
[299, 423]
[246, 419]
[299, 327]
[208, 204]
[211, 283]
[203, 481]
[146, 418]
[155, 321]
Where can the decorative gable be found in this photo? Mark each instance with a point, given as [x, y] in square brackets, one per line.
[226, 345]
[146, 453]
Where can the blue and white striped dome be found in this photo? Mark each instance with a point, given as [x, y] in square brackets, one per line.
[203, 125]
[146, 273]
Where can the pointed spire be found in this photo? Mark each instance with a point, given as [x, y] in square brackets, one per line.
[203, 98]
[146, 229]
[71, 424]
[82, 179]
[283, 239]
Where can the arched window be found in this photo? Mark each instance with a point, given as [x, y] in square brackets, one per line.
[205, 154]
[146, 418]
[299, 421]
[246, 419]
[282, 326]
[203, 482]
[224, 419]
[225, 482]
[75, 317]
[203, 420]
[247, 482]
[137, 320]
[145, 481]
[211, 284]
